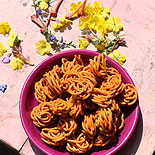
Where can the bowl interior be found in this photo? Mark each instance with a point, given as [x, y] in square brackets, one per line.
[28, 102]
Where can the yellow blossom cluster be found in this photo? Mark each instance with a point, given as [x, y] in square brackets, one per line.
[43, 47]
[98, 20]
[2, 49]
[4, 28]
[61, 23]
[115, 55]
[16, 63]
[43, 4]
[11, 39]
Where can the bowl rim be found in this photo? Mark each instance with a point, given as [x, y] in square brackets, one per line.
[60, 55]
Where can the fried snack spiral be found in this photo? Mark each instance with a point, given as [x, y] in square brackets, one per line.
[113, 84]
[81, 88]
[76, 64]
[53, 79]
[42, 114]
[76, 109]
[102, 140]
[68, 126]
[118, 116]
[79, 144]
[80, 106]
[111, 71]
[89, 126]
[52, 136]
[40, 93]
[101, 97]
[104, 121]
[60, 107]
[69, 77]
[98, 66]
[128, 96]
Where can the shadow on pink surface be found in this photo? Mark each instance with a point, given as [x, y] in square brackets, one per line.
[6, 149]
[130, 148]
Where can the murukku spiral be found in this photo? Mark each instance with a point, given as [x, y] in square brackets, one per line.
[128, 96]
[53, 79]
[40, 88]
[88, 126]
[67, 125]
[53, 136]
[60, 107]
[80, 106]
[79, 144]
[42, 114]
[98, 66]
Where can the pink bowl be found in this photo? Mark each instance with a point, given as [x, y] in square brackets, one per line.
[28, 102]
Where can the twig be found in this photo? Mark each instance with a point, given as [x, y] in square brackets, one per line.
[49, 17]
[53, 12]
[93, 33]
[71, 14]
[81, 13]
[35, 20]
[55, 9]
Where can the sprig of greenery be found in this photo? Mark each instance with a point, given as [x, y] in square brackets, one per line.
[110, 45]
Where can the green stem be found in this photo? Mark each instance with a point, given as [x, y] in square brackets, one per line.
[29, 63]
[36, 12]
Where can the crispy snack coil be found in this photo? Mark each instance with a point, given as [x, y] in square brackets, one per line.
[80, 106]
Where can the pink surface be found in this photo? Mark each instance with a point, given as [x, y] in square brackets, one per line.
[28, 102]
[137, 17]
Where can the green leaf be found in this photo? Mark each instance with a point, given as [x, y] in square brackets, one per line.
[44, 15]
[70, 43]
[48, 1]
[44, 28]
[16, 40]
[52, 19]
[100, 51]
[47, 36]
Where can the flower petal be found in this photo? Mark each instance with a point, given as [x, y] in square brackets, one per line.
[116, 53]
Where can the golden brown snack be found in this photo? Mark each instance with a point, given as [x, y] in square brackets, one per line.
[42, 114]
[128, 96]
[80, 106]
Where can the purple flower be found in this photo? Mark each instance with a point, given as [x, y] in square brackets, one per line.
[3, 87]
[85, 31]
[58, 21]
[52, 38]
[61, 40]
[6, 59]
[63, 45]
[39, 12]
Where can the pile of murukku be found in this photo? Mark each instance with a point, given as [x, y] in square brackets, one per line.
[80, 106]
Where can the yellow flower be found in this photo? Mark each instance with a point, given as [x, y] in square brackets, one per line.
[100, 46]
[86, 22]
[120, 58]
[96, 8]
[43, 4]
[75, 7]
[101, 26]
[16, 63]
[43, 47]
[11, 39]
[104, 13]
[62, 22]
[4, 28]
[114, 25]
[2, 49]
[88, 9]
[83, 43]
